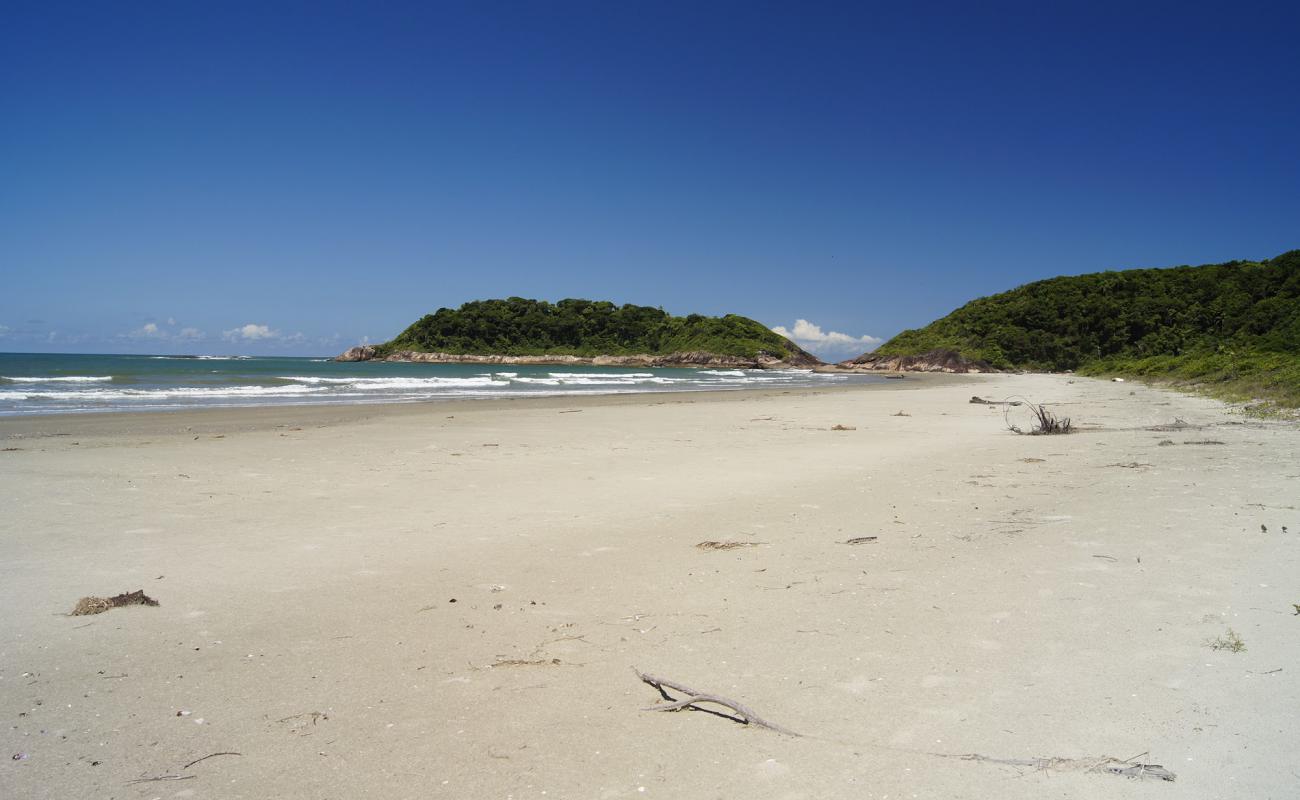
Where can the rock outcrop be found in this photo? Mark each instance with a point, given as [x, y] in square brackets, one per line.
[933, 361]
[799, 359]
[362, 352]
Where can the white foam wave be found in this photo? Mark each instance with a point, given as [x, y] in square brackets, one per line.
[600, 374]
[726, 373]
[178, 393]
[202, 358]
[390, 383]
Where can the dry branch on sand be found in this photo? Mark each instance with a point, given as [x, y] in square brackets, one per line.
[710, 545]
[744, 715]
[98, 605]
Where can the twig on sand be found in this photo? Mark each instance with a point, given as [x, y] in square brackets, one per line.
[210, 755]
[1104, 764]
[163, 778]
[747, 716]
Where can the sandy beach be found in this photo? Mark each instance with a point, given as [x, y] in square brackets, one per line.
[449, 599]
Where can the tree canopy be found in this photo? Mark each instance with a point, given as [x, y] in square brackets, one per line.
[1069, 322]
[517, 326]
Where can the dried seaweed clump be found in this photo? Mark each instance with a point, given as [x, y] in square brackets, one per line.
[98, 605]
[725, 545]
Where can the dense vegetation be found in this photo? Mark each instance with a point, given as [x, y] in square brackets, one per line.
[1235, 325]
[520, 327]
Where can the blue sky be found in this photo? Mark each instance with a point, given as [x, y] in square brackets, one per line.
[293, 178]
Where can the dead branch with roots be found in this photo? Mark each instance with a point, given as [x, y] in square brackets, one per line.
[744, 714]
[1044, 422]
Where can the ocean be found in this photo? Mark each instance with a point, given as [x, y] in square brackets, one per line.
[33, 383]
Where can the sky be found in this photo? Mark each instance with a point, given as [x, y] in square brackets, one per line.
[298, 177]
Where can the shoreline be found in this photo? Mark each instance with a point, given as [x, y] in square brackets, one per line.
[263, 417]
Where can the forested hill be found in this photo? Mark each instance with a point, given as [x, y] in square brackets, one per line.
[520, 327]
[1232, 328]
[1066, 323]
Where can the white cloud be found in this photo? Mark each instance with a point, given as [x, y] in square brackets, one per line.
[827, 344]
[250, 333]
[152, 331]
[4, 329]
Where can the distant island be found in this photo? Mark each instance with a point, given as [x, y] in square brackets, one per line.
[521, 331]
[1232, 328]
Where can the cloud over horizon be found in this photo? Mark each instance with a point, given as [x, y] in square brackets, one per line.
[830, 345]
[153, 331]
[251, 332]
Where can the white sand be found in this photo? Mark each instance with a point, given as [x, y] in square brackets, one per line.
[1011, 606]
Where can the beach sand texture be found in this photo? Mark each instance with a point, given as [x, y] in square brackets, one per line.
[448, 600]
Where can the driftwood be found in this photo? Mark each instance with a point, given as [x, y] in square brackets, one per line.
[98, 605]
[861, 539]
[745, 714]
[1104, 764]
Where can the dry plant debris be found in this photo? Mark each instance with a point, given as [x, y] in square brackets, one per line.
[518, 662]
[861, 539]
[1104, 764]
[1177, 425]
[725, 545]
[1045, 423]
[1231, 641]
[98, 605]
[843, 428]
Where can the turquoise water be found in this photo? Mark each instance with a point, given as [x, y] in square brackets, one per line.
[45, 383]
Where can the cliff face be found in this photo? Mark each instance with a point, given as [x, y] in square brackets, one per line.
[797, 359]
[933, 361]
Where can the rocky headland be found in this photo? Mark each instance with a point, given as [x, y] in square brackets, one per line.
[933, 361]
[763, 360]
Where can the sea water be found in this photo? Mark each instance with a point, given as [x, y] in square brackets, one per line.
[49, 383]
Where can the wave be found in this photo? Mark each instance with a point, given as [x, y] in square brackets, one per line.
[232, 384]
[180, 392]
[59, 379]
[390, 383]
[563, 375]
[203, 358]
